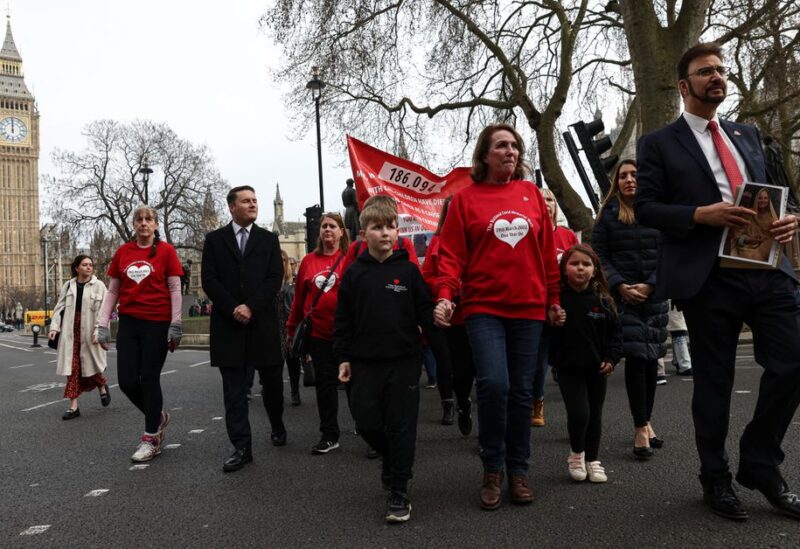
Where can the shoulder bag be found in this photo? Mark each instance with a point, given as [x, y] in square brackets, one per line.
[302, 335]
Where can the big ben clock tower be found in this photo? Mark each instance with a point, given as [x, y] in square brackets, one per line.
[19, 178]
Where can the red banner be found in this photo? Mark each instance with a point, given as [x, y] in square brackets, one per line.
[418, 192]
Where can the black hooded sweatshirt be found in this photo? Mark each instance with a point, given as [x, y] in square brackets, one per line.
[381, 306]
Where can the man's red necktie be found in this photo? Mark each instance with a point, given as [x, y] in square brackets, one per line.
[726, 156]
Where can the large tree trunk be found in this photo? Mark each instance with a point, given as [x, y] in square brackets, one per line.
[655, 51]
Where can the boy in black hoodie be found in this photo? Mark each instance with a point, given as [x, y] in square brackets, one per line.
[383, 300]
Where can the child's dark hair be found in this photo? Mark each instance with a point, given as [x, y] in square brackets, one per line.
[598, 283]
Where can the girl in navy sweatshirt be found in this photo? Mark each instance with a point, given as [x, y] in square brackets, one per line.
[585, 346]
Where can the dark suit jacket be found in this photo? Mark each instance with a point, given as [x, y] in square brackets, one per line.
[673, 179]
[229, 279]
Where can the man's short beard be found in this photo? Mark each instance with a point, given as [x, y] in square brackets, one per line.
[706, 98]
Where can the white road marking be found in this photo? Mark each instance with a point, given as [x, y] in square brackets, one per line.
[51, 361]
[96, 493]
[18, 349]
[199, 364]
[39, 387]
[34, 485]
[43, 405]
[34, 530]
[139, 467]
[196, 431]
[168, 372]
[743, 392]
[172, 446]
[20, 366]
[216, 418]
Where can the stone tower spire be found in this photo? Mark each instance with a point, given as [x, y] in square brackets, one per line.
[19, 179]
[277, 225]
[12, 82]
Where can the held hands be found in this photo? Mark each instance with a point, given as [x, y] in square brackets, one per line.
[606, 368]
[102, 336]
[344, 372]
[783, 229]
[174, 335]
[556, 316]
[723, 214]
[443, 313]
[242, 314]
[634, 293]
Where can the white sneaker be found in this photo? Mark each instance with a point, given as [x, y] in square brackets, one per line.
[149, 448]
[577, 466]
[595, 472]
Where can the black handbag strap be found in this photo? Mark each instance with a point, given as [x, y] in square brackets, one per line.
[322, 288]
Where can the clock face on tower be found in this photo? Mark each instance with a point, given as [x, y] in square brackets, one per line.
[13, 129]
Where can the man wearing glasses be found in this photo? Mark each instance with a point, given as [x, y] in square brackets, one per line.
[687, 180]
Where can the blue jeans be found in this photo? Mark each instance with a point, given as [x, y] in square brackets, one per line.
[540, 372]
[504, 351]
[429, 362]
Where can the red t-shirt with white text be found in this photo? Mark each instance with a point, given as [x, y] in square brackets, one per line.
[564, 239]
[314, 268]
[143, 291]
[497, 248]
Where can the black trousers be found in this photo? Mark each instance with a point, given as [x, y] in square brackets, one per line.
[768, 302]
[235, 382]
[640, 383]
[141, 352]
[462, 364]
[384, 398]
[584, 394]
[326, 371]
[444, 369]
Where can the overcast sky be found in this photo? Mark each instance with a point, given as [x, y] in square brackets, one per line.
[200, 66]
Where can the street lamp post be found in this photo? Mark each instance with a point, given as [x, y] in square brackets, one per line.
[145, 170]
[316, 85]
[45, 242]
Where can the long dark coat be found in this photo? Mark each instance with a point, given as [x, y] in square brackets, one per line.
[230, 280]
[629, 254]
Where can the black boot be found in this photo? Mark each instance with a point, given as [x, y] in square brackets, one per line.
[448, 412]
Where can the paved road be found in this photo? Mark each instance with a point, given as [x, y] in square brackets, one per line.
[50, 470]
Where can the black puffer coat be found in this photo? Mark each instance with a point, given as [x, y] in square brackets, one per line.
[629, 254]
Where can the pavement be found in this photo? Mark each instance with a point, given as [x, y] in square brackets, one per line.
[72, 484]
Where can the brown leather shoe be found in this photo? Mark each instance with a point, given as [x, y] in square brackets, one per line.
[519, 492]
[491, 490]
[537, 417]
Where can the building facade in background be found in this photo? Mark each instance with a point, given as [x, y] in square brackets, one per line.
[21, 274]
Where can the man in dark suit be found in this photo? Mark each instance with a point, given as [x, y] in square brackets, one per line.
[688, 173]
[242, 272]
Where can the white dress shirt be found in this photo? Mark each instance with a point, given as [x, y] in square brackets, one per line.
[701, 132]
[237, 228]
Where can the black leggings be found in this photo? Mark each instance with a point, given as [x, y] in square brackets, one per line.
[584, 394]
[293, 365]
[141, 352]
[326, 372]
[462, 364]
[640, 382]
[444, 368]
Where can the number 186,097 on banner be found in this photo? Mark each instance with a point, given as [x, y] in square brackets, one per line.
[408, 179]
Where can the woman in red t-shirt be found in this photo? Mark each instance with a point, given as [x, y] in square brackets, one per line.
[145, 278]
[564, 239]
[314, 271]
[497, 253]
